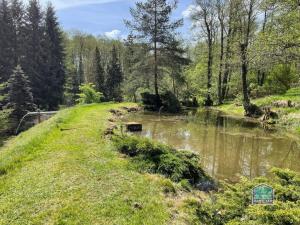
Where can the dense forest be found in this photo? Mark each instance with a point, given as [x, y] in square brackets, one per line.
[241, 49]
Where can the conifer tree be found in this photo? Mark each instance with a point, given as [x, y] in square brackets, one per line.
[114, 77]
[54, 75]
[99, 72]
[33, 62]
[6, 41]
[17, 12]
[71, 85]
[19, 95]
[152, 23]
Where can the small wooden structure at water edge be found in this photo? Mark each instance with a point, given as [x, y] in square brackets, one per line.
[134, 127]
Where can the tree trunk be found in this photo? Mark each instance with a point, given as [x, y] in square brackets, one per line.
[173, 83]
[226, 76]
[221, 64]
[208, 101]
[155, 60]
[246, 100]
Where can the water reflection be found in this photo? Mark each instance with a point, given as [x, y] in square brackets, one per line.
[228, 147]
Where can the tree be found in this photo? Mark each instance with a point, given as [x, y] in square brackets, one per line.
[32, 62]
[114, 77]
[6, 41]
[246, 25]
[151, 23]
[99, 72]
[88, 94]
[54, 68]
[136, 68]
[19, 95]
[80, 70]
[72, 84]
[17, 12]
[231, 31]
[175, 57]
[205, 13]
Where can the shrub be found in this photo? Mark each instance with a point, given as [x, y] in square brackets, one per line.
[150, 101]
[88, 94]
[233, 205]
[162, 159]
[170, 102]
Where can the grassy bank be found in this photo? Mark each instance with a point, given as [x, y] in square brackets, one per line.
[64, 172]
[289, 117]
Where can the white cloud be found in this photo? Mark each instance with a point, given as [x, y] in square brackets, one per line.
[189, 10]
[63, 4]
[114, 34]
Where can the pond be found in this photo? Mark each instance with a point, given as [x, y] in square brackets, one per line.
[229, 147]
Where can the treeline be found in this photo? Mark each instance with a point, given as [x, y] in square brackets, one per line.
[32, 69]
[41, 67]
[244, 49]
[93, 60]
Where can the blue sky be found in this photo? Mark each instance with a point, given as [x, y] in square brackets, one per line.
[104, 17]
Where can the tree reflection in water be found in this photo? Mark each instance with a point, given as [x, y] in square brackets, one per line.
[229, 147]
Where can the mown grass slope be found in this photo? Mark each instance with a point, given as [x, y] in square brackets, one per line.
[72, 176]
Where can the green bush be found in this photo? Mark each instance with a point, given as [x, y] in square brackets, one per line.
[158, 158]
[233, 205]
[150, 101]
[88, 94]
[167, 99]
[170, 102]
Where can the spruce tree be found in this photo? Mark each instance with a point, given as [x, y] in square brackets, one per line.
[6, 49]
[71, 85]
[54, 75]
[114, 78]
[32, 62]
[19, 95]
[99, 72]
[6, 41]
[17, 12]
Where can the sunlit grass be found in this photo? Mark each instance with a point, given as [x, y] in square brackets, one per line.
[50, 176]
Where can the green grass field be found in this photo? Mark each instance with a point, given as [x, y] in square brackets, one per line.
[49, 176]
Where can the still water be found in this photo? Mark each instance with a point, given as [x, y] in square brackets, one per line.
[229, 147]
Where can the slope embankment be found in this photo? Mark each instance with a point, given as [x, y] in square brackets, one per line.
[64, 171]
